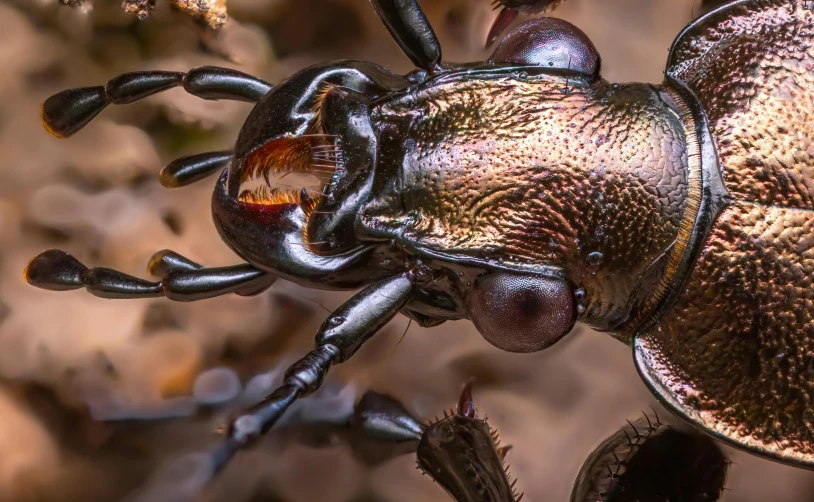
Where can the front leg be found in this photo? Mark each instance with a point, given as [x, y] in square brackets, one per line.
[339, 337]
[410, 29]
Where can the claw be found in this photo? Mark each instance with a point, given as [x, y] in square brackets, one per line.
[465, 405]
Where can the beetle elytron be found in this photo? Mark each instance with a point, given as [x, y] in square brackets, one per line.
[526, 193]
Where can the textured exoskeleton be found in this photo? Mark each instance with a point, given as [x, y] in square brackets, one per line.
[734, 350]
[526, 193]
[648, 460]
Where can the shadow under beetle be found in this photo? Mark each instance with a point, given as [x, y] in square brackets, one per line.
[526, 193]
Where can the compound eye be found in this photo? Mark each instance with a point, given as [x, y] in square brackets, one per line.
[520, 313]
[549, 43]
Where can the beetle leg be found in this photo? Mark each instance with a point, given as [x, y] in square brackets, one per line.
[408, 25]
[503, 20]
[339, 337]
[191, 168]
[58, 271]
[381, 429]
[68, 111]
[379, 416]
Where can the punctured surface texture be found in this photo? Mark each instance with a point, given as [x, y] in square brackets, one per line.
[736, 354]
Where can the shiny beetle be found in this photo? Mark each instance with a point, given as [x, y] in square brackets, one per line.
[526, 193]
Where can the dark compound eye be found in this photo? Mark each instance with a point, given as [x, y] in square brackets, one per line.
[520, 313]
[511, 8]
[549, 43]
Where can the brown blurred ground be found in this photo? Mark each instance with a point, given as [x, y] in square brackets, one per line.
[65, 358]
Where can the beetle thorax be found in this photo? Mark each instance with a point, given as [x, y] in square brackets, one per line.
[541, 171]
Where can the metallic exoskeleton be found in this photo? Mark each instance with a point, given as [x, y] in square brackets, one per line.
[733, 351]
[526, 193]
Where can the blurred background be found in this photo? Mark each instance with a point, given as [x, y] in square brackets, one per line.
[110, 400]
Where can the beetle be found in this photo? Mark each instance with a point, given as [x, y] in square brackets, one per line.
[525, 193]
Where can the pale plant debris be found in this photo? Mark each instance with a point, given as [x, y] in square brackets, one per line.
[140, 8]
[210, 12]
[213, 12]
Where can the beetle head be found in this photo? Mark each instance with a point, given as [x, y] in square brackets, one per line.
[463, 160]
[492, 173]
[303, 164]
[345, 171]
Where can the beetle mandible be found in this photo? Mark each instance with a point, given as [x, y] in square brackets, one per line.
[526, 193]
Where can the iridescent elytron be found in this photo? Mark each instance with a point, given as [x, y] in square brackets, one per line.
[649, 461]
[526, 193]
